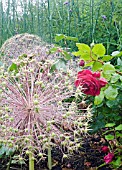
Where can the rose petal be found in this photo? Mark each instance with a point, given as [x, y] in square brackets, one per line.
[103, 82]
[108, 158]
[96, 74]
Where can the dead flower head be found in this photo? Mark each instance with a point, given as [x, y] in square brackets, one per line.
[38, 106]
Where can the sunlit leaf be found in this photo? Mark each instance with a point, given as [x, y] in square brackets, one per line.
[59, 37]
[84, 51]
[99, 50]
[119, 127]
[96, 66]
[110, 125]
[109, 137]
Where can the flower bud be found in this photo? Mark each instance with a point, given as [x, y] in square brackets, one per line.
[81, 63]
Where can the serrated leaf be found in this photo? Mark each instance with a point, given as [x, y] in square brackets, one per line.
[111, 93]
[99, 99]
[106, 76]
[77, 53]
[71, 38]
[89, 64]
[106, 58]
[84, 51]
[96, 66]
[119, 127]
[108, 68]
[59, 37]
[99, 50]
[110, 125]
[109, 137]
[115, 78]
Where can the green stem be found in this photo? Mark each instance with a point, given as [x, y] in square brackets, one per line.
[49, 158]
[31, 161]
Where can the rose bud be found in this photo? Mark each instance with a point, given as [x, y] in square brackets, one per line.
[105, 149]
[108, 158]
[81, 63]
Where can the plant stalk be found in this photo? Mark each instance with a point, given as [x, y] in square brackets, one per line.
[31, 161]
[49, 158]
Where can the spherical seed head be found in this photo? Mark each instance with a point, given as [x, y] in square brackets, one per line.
[38, 111]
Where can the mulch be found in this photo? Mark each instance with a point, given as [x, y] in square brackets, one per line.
[88, 157]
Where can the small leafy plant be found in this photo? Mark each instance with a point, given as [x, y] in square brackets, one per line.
[113, 139]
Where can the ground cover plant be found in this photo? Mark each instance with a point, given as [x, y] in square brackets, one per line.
[94, 58]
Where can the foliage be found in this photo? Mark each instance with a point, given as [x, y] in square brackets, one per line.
[110, 97]
[108, 105]
[89, 21]
[113, 138]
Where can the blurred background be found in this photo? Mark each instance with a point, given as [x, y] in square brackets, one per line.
[98, 21]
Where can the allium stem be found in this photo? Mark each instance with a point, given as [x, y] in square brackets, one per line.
[31, 161]
[49, 158]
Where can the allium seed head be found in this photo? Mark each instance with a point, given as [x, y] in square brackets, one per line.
[37, 108]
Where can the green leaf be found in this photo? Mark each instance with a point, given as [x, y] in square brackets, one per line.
[106, 58]
[96, 66]
[115, 78]
[67, 56]
[117, 163]
[99, 50]
[108, 68]
[111, 93]
[71, 38]
[120, 78]
[109, 137]
[119, 127]
[99, 99]
[110, 125]
[106, 76]
[84, 51]
[59, 37]
[119, 62]
[118, 134]
[13, 67]
[53, 50]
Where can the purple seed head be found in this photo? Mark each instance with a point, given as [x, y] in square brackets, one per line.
[35, 110]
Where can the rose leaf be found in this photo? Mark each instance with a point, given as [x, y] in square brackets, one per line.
[111, 93]
[96, 66]
[99, 50]
[98, 99]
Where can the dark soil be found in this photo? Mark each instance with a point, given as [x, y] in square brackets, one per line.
[88, 157]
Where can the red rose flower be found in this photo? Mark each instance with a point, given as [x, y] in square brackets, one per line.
[108, 158]
[90, 82]
[105, 149]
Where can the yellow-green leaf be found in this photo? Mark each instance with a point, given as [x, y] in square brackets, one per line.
[99, 50]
